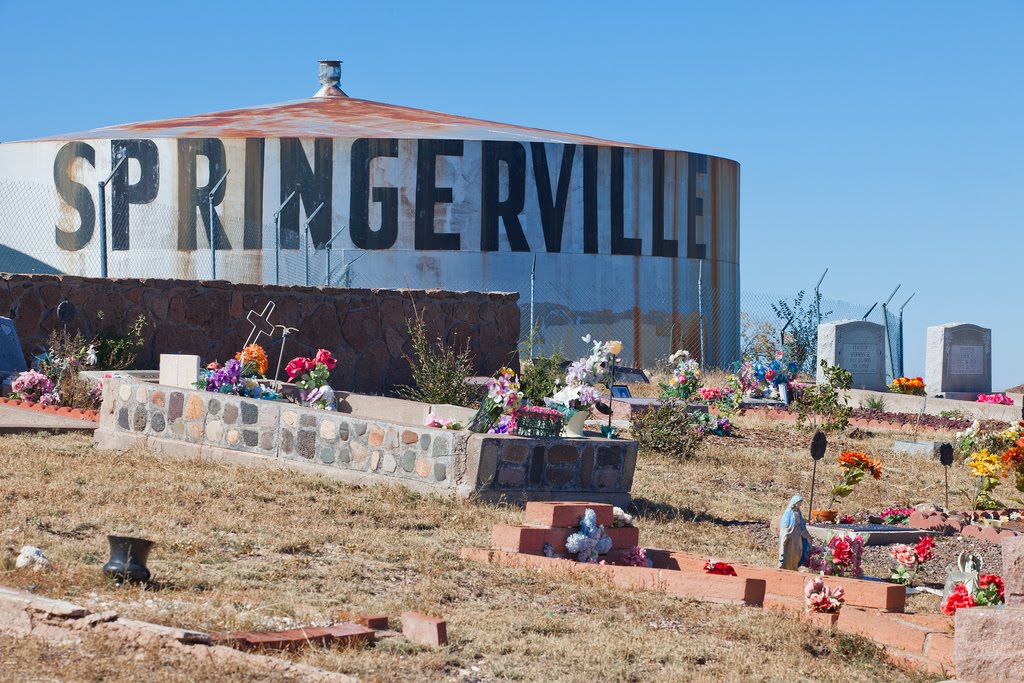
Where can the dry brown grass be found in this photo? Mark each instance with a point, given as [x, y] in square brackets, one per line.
[250, 548]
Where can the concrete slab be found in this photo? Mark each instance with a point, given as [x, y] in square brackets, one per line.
[926, 449]
[15, 420]
[878, 534]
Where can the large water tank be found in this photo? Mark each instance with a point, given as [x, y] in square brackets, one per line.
[599, 237]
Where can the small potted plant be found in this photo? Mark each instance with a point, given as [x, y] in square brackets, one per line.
[854, 465]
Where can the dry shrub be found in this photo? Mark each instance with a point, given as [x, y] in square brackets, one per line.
[667, 428]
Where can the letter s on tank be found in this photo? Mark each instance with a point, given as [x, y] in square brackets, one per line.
[75, 194]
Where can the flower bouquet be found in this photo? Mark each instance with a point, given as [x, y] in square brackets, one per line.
[575, 394]
[908, 385]
[820, 598]
[713, 566]
[854, 466]
[895, 516]
[990, 591]
[35, 387]
[502, 394]
[311, 375]
[590, 541]
[841, 555]
[685, 380]
[998, 399]
[909, 559]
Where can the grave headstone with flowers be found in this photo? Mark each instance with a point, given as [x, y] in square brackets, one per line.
[857, 346]
[958, 361]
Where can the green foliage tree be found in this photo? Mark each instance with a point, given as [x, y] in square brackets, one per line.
[800, 319]
[824, 405]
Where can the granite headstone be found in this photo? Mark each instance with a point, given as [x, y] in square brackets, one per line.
[958, 361]
[12, 358]
[857, 346]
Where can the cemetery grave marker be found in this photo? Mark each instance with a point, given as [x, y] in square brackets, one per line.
[857, 346]
[179, 370]
[260, 324]
[958, 361]
[12, 359]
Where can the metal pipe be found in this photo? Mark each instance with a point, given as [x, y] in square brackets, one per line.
[277, 238]
[817, 297]
[308, 233]
[533, 277]
[345, 271]
[700, 308]
[327, 246]
[213, 226]
[102, 197]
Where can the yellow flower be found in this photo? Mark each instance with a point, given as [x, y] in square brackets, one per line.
[984, 464]
[615, 347]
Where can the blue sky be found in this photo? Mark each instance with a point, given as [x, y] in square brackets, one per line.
[880, 140]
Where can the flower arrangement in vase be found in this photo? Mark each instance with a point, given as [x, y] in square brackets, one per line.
[35, 387]
[990, 591]
[910, 558]
[243, 375]
[575, 394]
[685, 380]
[311, 375]
[908, 385]
[854, 466]
[820, 598]
[503, 393]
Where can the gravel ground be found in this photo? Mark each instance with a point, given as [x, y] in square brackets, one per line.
[878, 561]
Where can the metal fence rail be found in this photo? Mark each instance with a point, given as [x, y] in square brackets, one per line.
[706, 322]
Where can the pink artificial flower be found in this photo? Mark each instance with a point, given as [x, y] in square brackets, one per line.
[905, 555]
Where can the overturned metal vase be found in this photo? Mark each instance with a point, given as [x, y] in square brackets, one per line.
[128, 559]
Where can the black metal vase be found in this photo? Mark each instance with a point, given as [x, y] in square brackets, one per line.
[128, 559]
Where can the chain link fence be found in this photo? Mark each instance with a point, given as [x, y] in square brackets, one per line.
[713, 324]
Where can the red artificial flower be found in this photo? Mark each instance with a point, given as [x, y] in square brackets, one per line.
[298, 366]
[324, 356]
[923, 549]
[842, 552]
[986, 580]
[720, 568]
[847, 519]
[957, 599]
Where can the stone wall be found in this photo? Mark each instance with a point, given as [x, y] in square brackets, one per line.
[366, 444]
[364, 328]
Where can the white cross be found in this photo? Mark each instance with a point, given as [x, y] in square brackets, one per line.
[260, 323]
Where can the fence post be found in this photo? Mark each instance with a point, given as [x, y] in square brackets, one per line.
[213, 227]
[277, 238]
[700, 308]
[533, 277]
[102, 197]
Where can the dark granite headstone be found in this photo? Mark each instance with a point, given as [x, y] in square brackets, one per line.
[12, 359]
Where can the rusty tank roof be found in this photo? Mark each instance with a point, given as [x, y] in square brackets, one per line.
[331, 117]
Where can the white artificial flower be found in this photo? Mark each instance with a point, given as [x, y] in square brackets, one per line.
[30, 555]
[90, 356]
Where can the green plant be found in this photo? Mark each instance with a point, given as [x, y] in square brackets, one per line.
[439, 370]
[953, 414]
[117, 351]
[537, 378]
[800, 322]
[822, 406]
[874, 403]
[668, 428]
[66, 355]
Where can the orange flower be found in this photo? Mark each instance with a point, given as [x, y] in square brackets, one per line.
[860, 461]
[1013, 457]
[254, 354]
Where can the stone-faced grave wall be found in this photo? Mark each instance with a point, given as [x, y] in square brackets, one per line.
[364, 328]
[375, 441]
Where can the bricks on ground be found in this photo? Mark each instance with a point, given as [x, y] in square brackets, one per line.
[873, 609]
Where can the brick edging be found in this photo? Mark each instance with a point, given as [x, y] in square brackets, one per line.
[63, 411]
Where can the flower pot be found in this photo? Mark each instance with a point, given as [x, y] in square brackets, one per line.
[128, 559]
[827, 516]
[574, 425]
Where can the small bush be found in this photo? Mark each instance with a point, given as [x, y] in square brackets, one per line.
[954, 414]
[874, 403]
[668, 428]
[439, 370]
[822, 406]
[117, 351]
[537, 379]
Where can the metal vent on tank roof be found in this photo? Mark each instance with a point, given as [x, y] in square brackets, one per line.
[330, 76]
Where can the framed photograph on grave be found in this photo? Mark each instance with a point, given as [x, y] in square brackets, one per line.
[621, 391]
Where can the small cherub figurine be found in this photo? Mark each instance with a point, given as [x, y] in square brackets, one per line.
[794, 539]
